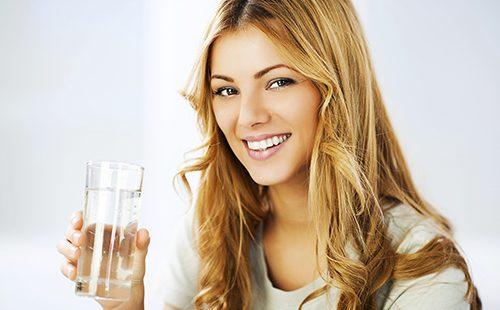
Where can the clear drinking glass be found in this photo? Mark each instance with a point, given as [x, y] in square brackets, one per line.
[110, 220]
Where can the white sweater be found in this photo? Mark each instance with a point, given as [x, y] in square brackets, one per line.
[444, 290]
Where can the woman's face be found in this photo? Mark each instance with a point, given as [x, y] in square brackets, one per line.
[258, 104]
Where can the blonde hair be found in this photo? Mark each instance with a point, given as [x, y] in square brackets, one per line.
[356, 165]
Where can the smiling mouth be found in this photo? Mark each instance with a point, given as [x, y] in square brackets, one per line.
[266, 144]
[263, 152]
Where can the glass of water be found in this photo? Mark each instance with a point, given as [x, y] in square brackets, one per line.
[110, 220]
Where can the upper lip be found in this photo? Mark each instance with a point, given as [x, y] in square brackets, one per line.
[263, 136]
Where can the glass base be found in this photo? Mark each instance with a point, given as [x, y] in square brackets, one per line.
[113, 290]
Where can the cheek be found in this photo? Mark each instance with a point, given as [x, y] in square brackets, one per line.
[223, 118]
[302, 113]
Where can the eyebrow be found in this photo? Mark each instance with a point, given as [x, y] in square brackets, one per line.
[256, 76]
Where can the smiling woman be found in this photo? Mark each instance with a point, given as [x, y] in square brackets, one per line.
[261, 99]
[305, 198]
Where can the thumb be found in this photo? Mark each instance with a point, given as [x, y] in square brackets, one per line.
[142, 244]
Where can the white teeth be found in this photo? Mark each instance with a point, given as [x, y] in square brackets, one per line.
[269, 142]
[264, 144]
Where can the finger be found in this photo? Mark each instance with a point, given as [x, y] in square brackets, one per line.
[74, 236]
[77, 220]
[71, 252]
[142, 245]
[68, 270]
[143, 239]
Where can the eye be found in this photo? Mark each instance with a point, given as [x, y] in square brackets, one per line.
[281, 82]
[228, 91]
[219, 92]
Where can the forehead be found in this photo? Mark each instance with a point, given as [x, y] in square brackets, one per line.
[243, 52]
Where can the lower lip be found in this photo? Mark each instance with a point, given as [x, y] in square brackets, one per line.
[263, 155]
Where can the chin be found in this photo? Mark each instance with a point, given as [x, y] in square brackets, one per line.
[267, 174]
[269, 178]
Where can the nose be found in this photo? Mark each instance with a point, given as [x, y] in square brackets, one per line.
[253, 111]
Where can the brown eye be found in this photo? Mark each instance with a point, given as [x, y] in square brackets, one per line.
[281, 82]
[228, 90]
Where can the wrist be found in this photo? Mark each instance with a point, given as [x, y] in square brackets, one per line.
[135, 301]
[137, 296]
[127, 305]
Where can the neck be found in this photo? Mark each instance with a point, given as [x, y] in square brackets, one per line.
[288, 203]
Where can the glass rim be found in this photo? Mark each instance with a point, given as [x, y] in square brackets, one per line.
[117, 165]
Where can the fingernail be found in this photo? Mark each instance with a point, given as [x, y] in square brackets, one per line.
[76, 237]
[74, 220]
[71, 271]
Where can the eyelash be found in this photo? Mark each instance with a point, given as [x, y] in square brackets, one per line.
[287, 80]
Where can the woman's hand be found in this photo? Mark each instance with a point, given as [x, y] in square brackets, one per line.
[69, 247]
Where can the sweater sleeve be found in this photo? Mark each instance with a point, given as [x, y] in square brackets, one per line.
[440, 290]
[182, 266]
[443, 290]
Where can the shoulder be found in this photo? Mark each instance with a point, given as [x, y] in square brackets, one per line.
[409, 231]
[441, 290]
[182, 240]
[182, 264]
[185, 233]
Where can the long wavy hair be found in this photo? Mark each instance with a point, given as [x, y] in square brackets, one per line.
[356, 165]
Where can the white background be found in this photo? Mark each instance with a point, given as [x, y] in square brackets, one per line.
[98, 80]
